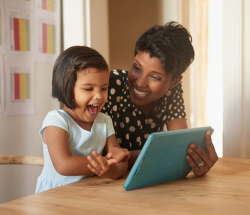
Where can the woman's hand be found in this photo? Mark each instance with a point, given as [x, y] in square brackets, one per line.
[204, 159]
[119, 154]
[101, 166]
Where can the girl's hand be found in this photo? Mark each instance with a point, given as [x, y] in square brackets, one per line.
[206, 158]
[102, 166]
[119, 154]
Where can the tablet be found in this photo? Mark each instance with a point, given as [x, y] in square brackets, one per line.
[162, 157]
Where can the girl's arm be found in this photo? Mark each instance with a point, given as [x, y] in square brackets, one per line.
[57, 141]
[119, 155]
[107, 168]
[113, 147]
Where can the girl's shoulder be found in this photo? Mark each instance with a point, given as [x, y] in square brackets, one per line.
[57, 118]
[103, 118]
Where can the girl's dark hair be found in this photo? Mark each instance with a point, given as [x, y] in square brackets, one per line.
[66, 67]
[171, 44]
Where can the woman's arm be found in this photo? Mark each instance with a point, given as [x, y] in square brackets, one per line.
[177, 124]
[133, 156]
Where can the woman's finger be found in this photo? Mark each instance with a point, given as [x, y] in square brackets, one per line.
[111, 161]
[199, 155]
[198, 171]
[210, 148]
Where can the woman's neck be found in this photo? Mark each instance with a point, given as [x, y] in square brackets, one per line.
[147, 109]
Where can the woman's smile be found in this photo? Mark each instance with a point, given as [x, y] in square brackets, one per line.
[140, 93]
[147, 80]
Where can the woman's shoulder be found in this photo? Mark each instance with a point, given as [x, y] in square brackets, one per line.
[118, 74]
[117, 82]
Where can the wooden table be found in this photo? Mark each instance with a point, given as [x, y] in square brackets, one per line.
[224, 190]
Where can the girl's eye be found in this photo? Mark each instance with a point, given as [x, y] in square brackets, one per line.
[104, 89]
[88, 89]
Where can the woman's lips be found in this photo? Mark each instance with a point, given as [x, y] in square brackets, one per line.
[140, 94]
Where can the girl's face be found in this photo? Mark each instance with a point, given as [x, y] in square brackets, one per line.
[90, 93]
[148, 80]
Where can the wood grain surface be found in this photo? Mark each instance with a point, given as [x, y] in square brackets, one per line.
[224, 190]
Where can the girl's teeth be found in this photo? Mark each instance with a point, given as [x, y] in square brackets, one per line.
[142, 94]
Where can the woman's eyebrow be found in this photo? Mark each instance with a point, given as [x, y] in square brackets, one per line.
[137, 62]
[159, 73]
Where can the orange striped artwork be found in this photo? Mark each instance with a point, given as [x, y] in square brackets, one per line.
[21, 31]
[49, 5]
[21, 86]
[48, 38]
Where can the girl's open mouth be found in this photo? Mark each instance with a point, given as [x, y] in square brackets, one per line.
[93, 109]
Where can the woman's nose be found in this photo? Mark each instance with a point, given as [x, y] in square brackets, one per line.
[141, 81]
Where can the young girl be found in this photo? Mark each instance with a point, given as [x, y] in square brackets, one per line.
[80, 81]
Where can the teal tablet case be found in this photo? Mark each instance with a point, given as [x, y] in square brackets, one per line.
[162, 157]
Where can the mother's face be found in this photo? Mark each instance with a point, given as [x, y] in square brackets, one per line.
[148, 80]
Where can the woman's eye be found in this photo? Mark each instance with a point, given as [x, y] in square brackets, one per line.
[156, 78]
[88, 89]
[104, 89]
[137, 68]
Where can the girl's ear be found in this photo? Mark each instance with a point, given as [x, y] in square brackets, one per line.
[175, 82]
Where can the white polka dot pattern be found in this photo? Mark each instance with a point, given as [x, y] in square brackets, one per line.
[131, 125]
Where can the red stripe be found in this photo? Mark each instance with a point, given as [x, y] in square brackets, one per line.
[44, 38]
[16, 34]
[44, 4]
[16, 86]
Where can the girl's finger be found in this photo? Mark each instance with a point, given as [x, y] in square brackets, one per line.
[102, 160]
[94, 162]
[109, 155]
[92, 169]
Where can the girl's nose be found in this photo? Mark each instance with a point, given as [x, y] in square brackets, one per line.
[98, 95]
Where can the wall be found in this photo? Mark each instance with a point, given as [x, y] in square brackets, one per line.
[19, 136]
[129, 19]
[236, 78]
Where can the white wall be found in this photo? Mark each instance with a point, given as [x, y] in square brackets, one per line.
[19, 136]
[236, 73]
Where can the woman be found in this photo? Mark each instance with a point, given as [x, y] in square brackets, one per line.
[149, 95]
